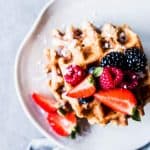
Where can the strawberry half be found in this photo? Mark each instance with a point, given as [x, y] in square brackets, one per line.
[121, 100]
[84, 89]
[47, 104]
[62, 125]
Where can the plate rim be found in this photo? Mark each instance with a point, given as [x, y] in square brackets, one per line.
[16, 75]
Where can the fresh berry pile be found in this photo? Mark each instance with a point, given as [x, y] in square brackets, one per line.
[111, 83]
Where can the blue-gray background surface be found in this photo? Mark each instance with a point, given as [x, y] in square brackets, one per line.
[16, 18]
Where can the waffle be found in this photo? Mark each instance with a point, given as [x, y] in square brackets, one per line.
[84, 46]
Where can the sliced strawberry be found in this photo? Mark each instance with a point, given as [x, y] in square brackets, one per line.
[121, 100]
[84, 89]
[47, 104]
[62, 125]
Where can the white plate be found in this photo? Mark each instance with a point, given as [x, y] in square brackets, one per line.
[28, 76]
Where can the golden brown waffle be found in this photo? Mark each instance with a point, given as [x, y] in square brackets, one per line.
[82, 47]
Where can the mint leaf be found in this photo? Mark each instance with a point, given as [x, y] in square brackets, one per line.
[97, 71]
[135, 114]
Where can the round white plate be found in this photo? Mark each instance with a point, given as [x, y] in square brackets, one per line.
[29, 78]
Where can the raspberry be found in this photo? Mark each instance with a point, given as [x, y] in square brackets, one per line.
[130, 80]
[74, 75]
[110, 78]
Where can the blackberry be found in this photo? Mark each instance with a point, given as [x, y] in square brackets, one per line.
[135, 59]
[114, 59]
[86, 100]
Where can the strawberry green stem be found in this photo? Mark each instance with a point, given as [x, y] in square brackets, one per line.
[74, 132]
[135, 114]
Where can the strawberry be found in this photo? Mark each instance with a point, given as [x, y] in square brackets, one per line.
[47, 104]
[63, 125]
[121, 100]
[84, 89]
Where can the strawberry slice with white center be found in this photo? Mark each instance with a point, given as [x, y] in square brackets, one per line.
[63, 125]
[84, 89]
[121, 100]
[47, 104]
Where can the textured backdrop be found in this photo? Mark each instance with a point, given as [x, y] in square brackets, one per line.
[16, 18]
